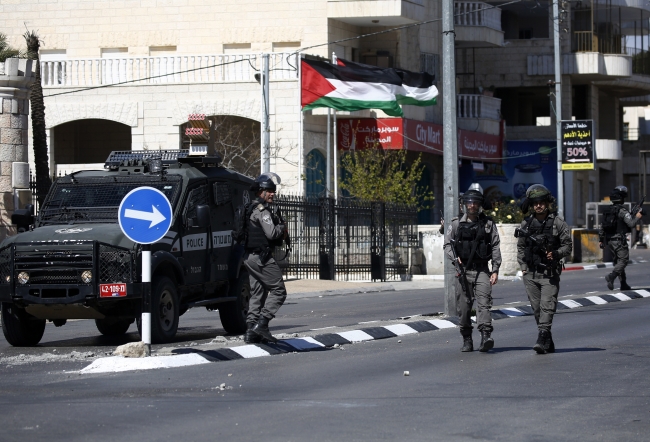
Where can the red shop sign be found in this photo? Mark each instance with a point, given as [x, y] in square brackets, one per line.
[479, 146]
[422, 136]
[363, 133]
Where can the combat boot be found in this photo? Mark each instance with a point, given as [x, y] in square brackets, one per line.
[468, 344]
[486, 341]
[624, 285]
[262, 329]
[610, 280]
[549, 345]
[540, 345]
[250, 337]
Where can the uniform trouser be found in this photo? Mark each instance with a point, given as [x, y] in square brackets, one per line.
[621, 255]
[267, 288]
[478, 282]
[542, 293]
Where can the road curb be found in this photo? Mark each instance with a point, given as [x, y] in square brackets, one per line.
[329, 340]
[607, 265]
[340, 292]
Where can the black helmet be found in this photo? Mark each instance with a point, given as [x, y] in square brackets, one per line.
[472, 196]
[618, 194]
[538, 192]
[266, 181]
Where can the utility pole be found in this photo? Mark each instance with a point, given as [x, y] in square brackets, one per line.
[450, 148]
[266, 129]
[558, 106]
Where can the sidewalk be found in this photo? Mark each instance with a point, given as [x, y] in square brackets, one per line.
[305, 288]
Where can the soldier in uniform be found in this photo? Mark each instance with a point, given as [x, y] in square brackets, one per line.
[544, 241]
[267, 286]
[472, 241]
[617, 223]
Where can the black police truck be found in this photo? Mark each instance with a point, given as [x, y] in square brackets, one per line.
[72, 260]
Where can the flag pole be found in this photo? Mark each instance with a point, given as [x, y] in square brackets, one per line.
[301, 134]
[336, 164]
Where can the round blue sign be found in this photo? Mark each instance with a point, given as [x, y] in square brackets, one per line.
[145, 215]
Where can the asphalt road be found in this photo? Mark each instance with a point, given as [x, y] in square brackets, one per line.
[596, 388]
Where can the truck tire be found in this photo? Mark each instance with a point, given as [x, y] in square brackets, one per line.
[233, 314]
[20, 328]
[113, 327]
[164, 310]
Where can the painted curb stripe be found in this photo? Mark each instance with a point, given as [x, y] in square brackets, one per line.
[304, 344]
[331, 339]
[422, 326]
[511, 311]
[596, 300]
[610, 298]
[442, 323]
[498, 314]
[250, 351]
[643, 293]
[114, 364]
[570, 303]
[584, 302]
[621, 296]
[380, 332]
[355, 336]
[400, 329]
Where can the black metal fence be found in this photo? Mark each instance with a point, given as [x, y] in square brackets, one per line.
[347, 239]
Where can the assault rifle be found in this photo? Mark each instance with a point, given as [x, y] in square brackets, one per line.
[540, 240]
[639, 207]
[277, 214]
[462, 273]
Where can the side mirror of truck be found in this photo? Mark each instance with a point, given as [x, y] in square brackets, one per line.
[203, 216]
[23, 218]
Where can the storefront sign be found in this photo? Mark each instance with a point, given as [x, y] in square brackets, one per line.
[477, 146]
[422, 136]
[577, 144]
[364, 133]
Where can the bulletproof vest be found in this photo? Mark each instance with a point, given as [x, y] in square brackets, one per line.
[612, 223]
[256, 240]
[473, 245]
[544, 241]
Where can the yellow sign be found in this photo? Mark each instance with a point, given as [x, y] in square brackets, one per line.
[578, 166]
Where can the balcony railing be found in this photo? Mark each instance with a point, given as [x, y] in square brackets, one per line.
[477, 106]
[588, 41]
[165, 70]
[477, 14]
[640, 60]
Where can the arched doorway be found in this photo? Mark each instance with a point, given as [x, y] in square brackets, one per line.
[238, 142]
[315, 174]
[89, 141]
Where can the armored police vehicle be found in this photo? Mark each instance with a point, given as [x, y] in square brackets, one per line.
[72, 260]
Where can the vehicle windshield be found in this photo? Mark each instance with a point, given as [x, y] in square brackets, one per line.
[97, 199]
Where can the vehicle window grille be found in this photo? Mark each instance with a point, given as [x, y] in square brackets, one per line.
[222, 193]
[196, 197]
[97, 199]
[5, 265]
[115, 264]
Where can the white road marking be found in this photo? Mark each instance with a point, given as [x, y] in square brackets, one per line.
[114, 364]
[307, 343]
[621, 296]
[570, 303]
[512, 312]
[441, 323]
[250, 351]
[355, 336]
[596, 300]
[643, 293]
[400, 329]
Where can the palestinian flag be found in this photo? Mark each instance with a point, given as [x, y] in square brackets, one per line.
[352, 86]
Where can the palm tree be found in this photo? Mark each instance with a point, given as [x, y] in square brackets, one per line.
[41, 163]
[7, 51]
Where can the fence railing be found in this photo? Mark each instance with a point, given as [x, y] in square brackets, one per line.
[477, 106]
[348, 239]
[640, 60]
[477, 14]
[167, 69]
[588, 41]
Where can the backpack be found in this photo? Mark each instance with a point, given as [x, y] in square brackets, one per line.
[610, 220]
[240, 232]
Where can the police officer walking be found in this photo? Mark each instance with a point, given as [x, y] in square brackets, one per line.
[617, 223]
[471, 242]
[544, 241]
[267, 286]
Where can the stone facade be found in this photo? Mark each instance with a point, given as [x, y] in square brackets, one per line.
[16, 76]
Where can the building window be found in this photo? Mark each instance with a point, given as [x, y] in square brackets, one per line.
[286, 46]
[161, 51]
[236, 48]
[114, 52]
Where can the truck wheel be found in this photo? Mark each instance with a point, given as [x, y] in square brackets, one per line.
[20, 328]
[164, 310]
[112, 326]
[233, 314]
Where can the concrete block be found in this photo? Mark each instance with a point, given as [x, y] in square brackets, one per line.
[7, 151]
[20, 175]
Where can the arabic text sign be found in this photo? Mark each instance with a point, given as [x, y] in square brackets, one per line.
[577, 144]
[145, 215]
[364, 133]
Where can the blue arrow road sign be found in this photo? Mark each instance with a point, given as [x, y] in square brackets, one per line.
[145, 215]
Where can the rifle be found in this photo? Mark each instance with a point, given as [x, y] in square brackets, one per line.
[462, 273]
[287, 239]
[542, 243]
[639, 208]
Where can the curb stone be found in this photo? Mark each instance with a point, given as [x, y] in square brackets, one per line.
[329, 340]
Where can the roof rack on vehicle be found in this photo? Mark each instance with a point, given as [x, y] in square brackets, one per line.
[119, 158]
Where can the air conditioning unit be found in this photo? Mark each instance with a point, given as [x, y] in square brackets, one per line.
[595, 213]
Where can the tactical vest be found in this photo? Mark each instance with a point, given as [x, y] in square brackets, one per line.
[546, 238]
[257, 240]
[613, 224]
[473, 245]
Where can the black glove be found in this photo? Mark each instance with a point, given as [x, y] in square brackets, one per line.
[556, 255]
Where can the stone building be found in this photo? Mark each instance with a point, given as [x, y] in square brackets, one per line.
[16, 76]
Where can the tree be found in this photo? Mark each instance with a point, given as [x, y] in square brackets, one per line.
[7, 51]
[376, 174]
[41, 163]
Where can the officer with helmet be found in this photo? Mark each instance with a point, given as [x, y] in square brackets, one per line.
[544, 241]
[617, 223]
[472, 241]
[268, 291]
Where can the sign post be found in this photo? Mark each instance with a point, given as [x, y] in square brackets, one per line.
[145, 216]
[577, 144]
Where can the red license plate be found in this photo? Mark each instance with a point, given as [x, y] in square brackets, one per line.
[112, 290]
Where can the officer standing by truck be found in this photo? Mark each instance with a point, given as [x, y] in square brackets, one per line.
[471, 242]
[544, 241]
[268, 291]
[617, 223]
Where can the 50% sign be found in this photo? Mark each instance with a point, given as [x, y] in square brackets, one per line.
[577, 138]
